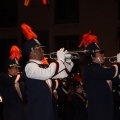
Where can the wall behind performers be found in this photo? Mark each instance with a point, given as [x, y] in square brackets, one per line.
[9, 13]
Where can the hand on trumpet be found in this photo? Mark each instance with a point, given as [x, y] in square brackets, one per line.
[68, 58]
[61, 54]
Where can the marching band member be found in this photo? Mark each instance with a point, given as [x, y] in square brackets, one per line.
[97, 80]
[38, 75]
[79, 102]
[10, 89]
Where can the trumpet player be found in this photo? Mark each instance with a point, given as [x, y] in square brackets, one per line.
[97, 80]
[38, 75]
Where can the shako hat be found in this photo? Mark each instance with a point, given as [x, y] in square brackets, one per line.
[13, 60]
[32, 41]
[90, 43]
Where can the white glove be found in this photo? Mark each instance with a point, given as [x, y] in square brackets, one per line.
[68, 58]
[118, 57]
[61, 54]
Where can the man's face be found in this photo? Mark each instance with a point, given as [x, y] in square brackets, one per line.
[99, 57]
[13, 70]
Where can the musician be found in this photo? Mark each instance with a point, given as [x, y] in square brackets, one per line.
[10, 89]
[116, 97]
[38, 75]
[79, 102]
[96, 80]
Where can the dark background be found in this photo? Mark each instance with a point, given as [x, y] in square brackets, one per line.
[60, 23]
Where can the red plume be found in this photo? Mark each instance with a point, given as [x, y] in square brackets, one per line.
[26, 3]
[15, 52]
[27, 31]
[87, 39]
[77, 77]
[44, 61]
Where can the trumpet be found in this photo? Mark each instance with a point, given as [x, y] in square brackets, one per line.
[68, 55]
[112, 59]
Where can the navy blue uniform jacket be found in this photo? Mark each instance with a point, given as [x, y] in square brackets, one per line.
[100, 99]
[39, 100]
[12, 103]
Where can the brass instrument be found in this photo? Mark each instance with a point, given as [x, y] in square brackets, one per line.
[68, 55]
[112, 59]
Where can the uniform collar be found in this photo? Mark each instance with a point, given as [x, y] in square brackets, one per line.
[36, 61]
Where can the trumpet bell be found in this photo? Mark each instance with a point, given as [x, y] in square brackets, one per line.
[72, 55]
[112, 59]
